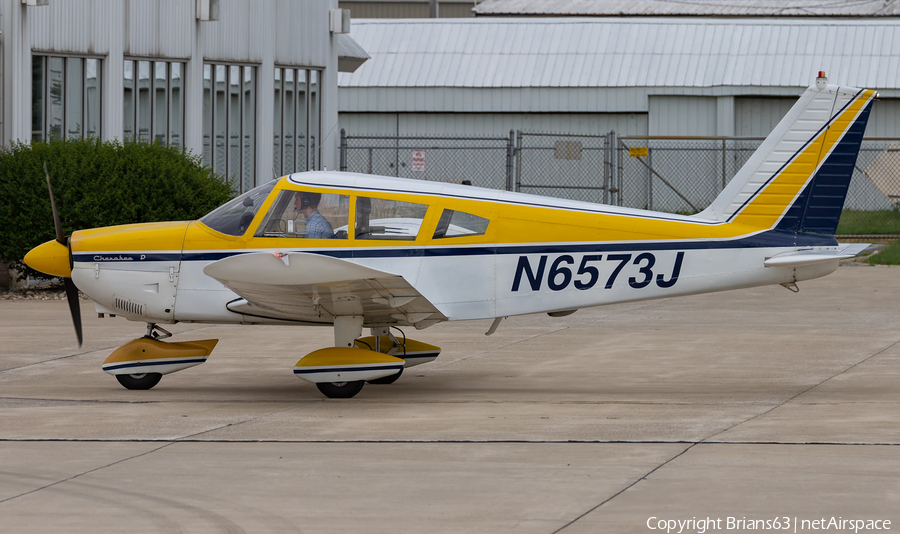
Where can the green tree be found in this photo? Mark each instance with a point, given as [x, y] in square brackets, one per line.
[97, 184]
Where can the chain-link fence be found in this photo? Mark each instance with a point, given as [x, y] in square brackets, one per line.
[481, 161]
[678, 174]
[671, 174]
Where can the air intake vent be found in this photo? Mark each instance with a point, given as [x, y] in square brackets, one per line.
[129, 306]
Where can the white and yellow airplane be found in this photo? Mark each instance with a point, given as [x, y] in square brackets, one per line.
[358, 251]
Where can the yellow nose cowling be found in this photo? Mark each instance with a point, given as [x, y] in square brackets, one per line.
[50, 258]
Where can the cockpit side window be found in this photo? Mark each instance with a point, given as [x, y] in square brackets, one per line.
[378, 218]
[235, 216]
[307, 215]
[459, 224]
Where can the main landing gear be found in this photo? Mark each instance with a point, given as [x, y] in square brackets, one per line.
[340, 372]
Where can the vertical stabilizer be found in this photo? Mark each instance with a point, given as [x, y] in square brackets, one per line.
[798, 178]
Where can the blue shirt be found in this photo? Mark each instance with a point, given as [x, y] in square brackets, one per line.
[318, 227]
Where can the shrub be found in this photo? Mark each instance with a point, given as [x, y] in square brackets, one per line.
[97, 184]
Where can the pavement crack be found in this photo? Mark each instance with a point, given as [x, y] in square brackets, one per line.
[73, 477]
[626, 488]
[810, 388]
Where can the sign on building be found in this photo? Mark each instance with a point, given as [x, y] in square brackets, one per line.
[418, 161]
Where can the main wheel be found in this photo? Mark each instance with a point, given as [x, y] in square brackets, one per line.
[139, 381]
[340, 390]
[386, 379]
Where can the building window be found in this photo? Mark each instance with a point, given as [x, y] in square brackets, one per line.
[65, 97]
[229, 122]
[154, 101]
[297, 120]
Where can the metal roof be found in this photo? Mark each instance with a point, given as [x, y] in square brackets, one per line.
[350, 55]
[718, 8]
[622, 52]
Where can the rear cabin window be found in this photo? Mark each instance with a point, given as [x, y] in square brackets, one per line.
[307, 215]
[459, 224]
[378, 218]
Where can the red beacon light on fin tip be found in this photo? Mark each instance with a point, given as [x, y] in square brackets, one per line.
[821, 81]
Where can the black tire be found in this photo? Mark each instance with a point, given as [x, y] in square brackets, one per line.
[386, 379]
[139, 381]
[340, 390]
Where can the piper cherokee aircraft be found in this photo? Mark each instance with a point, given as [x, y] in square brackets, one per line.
[356, 251]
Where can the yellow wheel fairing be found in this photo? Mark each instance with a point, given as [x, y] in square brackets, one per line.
[147, 355]
[413, 352]
[345, 364]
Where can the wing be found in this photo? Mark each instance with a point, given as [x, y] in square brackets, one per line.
[312, 288]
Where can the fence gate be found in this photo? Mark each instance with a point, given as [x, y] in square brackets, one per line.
[573, 166]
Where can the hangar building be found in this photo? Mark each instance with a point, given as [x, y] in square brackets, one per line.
[697, 76]
[249, 85]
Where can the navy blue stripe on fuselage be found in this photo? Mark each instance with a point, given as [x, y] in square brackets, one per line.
[767, 239]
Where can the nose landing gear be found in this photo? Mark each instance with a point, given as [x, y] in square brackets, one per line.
[140, 364]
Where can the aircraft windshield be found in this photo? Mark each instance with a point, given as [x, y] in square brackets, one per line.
[235, 216]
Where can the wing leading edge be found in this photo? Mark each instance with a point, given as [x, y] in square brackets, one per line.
[313, 288]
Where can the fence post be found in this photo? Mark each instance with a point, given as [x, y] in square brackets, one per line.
[723, 165]
[607, 167]
[610, 175]
[649, 178]
[518, 181]
[397, 156]
[510, 154]
[343, 156]
[370, 161]
[620, 169]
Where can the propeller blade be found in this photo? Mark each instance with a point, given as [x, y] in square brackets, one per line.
[74, 307]
[59, 231]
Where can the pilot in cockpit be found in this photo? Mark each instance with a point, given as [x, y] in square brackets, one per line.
[317, 226]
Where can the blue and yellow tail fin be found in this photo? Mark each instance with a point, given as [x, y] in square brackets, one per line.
[797, 180]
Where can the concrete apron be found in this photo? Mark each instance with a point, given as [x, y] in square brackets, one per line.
[750, 405]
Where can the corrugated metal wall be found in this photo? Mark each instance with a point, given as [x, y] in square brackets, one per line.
[682, 115]
[756, 117]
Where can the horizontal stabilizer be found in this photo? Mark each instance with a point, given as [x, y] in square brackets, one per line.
[812, 257]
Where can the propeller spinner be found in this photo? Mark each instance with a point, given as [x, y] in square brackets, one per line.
[55, 258]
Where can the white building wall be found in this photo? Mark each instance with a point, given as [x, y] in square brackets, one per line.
[262, 33]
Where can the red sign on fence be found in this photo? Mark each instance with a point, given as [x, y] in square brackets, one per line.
[418, 161]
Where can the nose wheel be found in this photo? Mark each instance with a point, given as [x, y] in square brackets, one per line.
[340, 390]
[139, 380]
